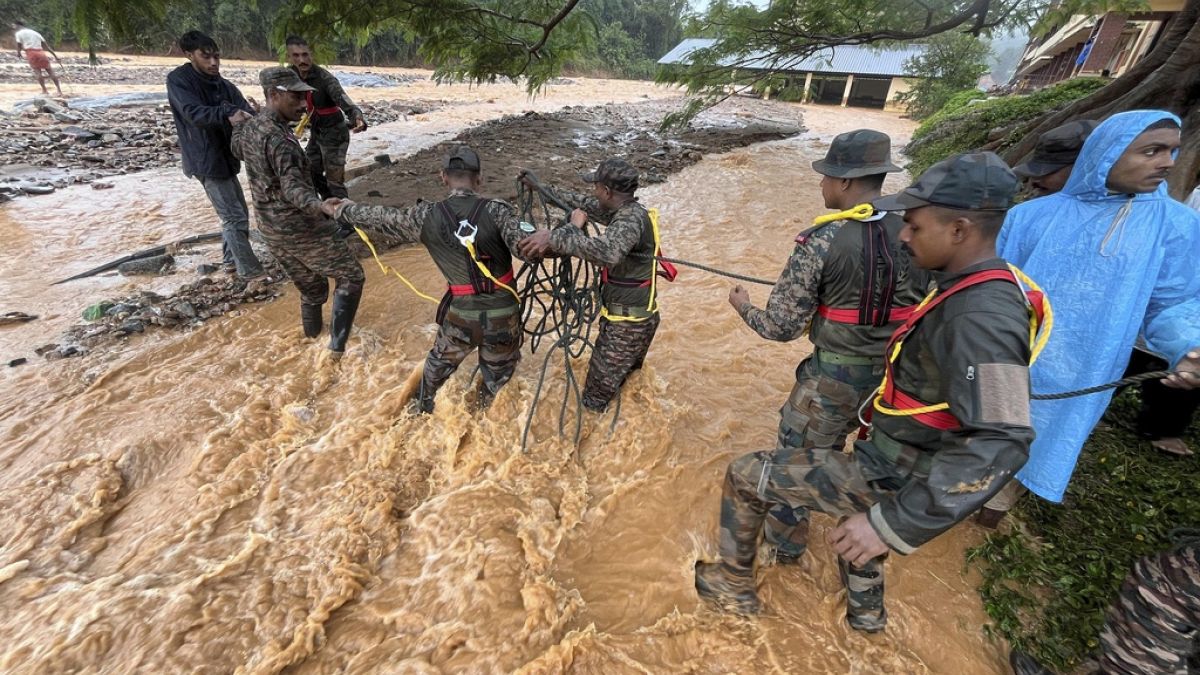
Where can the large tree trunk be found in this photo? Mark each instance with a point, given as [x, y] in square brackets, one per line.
[1168, 78]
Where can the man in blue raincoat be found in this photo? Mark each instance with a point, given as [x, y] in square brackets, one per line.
[1117, 257]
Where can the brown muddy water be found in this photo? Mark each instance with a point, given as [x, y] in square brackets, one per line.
[229, 500]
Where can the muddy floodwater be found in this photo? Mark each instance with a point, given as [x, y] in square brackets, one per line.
[229, 500]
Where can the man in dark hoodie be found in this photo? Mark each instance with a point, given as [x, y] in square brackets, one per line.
[205, 107]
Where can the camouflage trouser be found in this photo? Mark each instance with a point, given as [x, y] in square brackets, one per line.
[620, 349]
[822, 409]
[1152, 627]
[820, 413]
[326, 151]
[310, 260]
[803, 479]
[496, 334]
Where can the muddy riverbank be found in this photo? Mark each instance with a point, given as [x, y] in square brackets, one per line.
[558, 146]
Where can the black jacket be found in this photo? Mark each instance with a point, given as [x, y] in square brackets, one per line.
[201, 105]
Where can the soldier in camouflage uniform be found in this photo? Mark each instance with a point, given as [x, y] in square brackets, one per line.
[329, 107]
[480, 310]
[918, 473]
[1152, 626]
[853, 281]
[626, 250]
[293, 220]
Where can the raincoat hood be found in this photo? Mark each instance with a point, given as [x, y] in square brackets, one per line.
[1104, 147]
[1114, 266]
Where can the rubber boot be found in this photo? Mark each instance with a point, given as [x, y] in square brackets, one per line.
[311, 320]
[345, 306]
[864, 596]
[730, 592]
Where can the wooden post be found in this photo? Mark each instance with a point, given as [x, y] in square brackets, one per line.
[846, 93]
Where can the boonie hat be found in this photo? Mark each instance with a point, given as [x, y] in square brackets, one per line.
[616, 174]
[975, 181]
[862, 152]
[1056, 149]
[461, 158]
[282, 79]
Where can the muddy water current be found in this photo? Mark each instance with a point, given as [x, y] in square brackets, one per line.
[230, 500]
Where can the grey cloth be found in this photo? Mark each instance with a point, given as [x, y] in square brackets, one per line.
[230, 204]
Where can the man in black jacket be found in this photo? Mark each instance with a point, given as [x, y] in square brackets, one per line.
[205, 106]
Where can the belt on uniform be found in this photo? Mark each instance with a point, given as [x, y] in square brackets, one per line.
[904, 456]
[631, 311]
[495, 313]
[835, 359]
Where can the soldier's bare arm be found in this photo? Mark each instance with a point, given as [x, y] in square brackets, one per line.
[606, 249]
[286, 159]
[983, 357]
[794, 298]
[404, 224]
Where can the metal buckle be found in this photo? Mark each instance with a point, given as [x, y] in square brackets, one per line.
[469, 238]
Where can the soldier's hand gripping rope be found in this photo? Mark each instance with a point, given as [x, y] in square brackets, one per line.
[559, 302]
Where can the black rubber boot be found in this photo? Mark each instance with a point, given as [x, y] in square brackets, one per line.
[311, 320]
[345, 306]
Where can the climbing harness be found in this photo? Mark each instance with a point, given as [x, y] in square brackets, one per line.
[668, 272]
[466, 232]
[890, 400]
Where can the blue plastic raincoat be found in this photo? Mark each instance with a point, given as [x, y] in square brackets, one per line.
[1113, 266]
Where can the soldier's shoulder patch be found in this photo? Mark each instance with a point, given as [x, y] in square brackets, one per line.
[805, 235]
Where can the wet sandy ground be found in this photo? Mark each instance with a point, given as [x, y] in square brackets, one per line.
[228, 500]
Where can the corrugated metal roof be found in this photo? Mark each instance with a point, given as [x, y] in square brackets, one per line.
[845, 59]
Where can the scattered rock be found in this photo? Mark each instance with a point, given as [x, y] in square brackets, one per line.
[156, 264]
[15, 317]
[205, 269]
[18, 362]
[132, 326]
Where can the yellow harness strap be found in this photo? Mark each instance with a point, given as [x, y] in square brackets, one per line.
[483, 268]
[652, 305]
[303, 124]
[387, 269]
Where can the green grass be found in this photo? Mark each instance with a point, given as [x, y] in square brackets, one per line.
[1047, 583]
[960, 127]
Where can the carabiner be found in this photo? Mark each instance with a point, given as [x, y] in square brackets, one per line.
[469, 238]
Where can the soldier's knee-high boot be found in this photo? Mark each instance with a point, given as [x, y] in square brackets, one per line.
[345, 305]
[864, 595]
[311, 320]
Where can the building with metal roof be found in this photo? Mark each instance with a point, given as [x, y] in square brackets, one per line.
[851, 75]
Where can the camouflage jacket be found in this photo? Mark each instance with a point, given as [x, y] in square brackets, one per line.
[280, 180]
[972, 352]
[625, 248]
[413, 223]
[827, 268]
[329, 94]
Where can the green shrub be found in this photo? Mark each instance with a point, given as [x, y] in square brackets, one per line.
[1046, 585]
[943, 135]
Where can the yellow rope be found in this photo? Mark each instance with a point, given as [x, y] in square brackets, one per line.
[387, 269]
[860, 212]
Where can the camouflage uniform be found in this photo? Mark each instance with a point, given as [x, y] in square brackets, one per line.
[626, 250]
[489, 321]
[329, 134]
[829, 271]
[298, 234]
[913, 481]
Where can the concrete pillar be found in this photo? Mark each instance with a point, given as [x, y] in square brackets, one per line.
[807, 87]
[1107, 41]
[846, 93]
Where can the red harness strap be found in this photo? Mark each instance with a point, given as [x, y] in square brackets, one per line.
[469, 289]
[667, 272]
[895, 398]
[321, 112]
[850, 316]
